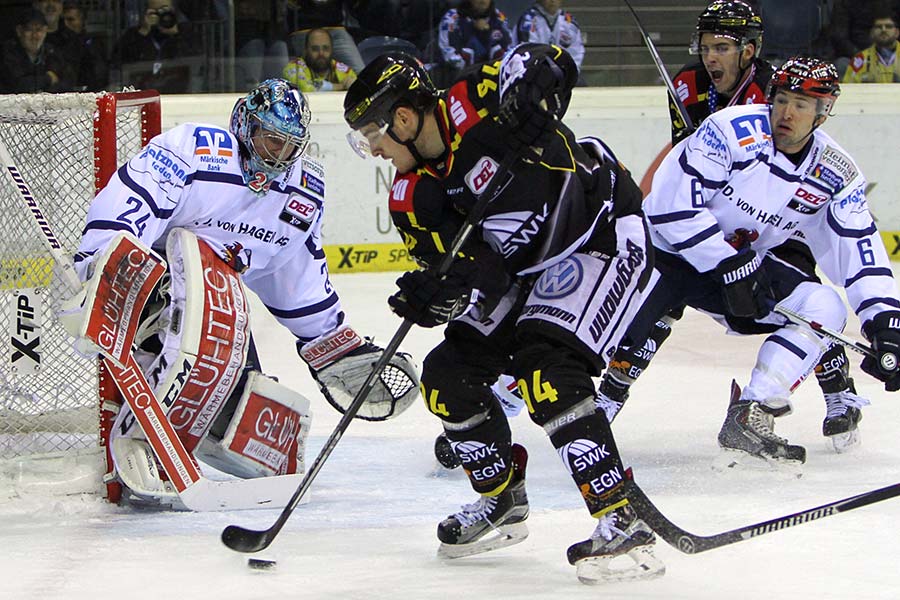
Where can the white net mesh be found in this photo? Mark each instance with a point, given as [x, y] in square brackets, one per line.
[49, 395]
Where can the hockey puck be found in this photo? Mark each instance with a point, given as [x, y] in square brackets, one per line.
[261, 564]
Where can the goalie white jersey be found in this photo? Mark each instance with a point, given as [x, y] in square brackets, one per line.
[190, 177]
[728, 176]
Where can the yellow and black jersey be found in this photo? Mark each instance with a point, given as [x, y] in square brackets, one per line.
[544, 210]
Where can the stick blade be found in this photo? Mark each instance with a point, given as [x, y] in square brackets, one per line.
[240, 539]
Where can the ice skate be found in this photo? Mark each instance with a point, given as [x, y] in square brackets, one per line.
[749, 428]
[492, 522]
[842, 418]
[619, 533]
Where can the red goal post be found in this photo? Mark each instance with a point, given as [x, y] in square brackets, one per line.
[66, 147]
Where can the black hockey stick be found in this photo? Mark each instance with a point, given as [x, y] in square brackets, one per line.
[242, 539]
[888, 360]
[691, 543]
[661, 67]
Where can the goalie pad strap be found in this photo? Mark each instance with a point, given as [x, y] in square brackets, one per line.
[330, 347]
[267, 434]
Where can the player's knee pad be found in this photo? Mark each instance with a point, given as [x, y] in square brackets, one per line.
[819, 303]
[266, 435]
[453, 389]
[552, 378]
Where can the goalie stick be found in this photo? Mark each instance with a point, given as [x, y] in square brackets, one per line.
[691, 543]
[195, 491]
[242, 539]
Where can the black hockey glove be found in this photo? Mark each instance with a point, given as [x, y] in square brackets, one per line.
[530, 106]
[884, 333]
[745, 287]
[428, 300]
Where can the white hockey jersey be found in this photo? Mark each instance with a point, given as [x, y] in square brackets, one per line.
[190, 177]
[535, 26]
[727, 175]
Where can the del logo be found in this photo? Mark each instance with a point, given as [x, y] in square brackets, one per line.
[300, 207]
[212, 142]
[811, 198]
[559, 280]
[479, 176]
[752, 131]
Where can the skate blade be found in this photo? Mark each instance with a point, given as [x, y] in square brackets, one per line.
[845, 442]
[730, 461]
[507, 536]
[596, 569]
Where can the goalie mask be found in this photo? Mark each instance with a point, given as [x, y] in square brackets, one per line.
[271, 124]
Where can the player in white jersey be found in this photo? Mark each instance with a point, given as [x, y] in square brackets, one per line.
[239, 205]
[748, 179]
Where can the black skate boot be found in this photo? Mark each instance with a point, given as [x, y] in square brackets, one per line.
[492, 522]
[750, 427]
[619, 532]
[842, 419]
[444, 453]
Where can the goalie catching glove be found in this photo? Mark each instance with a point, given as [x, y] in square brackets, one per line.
[340, 362]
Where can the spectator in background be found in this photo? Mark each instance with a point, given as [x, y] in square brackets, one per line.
[547, 23]
[262, 50]
[31, 64]
[318, 71]
[302, 16]
[851, 23]
[157, 54]
[476, 32]
[92, 74]
[877, 63]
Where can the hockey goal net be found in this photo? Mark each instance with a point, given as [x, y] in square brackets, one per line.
[66, 147]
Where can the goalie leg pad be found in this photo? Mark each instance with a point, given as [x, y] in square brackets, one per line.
[206, 340]
[267, 434]
[104, 315]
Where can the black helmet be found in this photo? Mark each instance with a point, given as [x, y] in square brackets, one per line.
[389, 80]
[810, 77]
[731, 19]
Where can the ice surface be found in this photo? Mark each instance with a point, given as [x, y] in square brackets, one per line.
[369, 528]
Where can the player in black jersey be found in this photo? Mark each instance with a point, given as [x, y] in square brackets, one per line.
[543, 289]
[728, 39]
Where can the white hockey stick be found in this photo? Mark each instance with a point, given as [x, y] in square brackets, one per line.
[195, 491]
[888, 360]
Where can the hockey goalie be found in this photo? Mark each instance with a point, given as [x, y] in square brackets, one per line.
[219, 210]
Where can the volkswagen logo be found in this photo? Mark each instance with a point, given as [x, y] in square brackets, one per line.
[559, 280]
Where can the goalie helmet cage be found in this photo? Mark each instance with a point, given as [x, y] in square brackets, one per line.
[66, 146]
